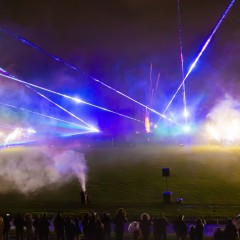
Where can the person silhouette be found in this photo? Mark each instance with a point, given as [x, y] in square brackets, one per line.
[119, 221]
[180, 228]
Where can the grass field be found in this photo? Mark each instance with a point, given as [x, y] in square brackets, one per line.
[206, 177]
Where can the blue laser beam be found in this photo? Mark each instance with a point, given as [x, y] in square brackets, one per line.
[64, 109]
[200, 53]
[26, 42]
[77, 99]
[105, 109]
[81, 120]
[43, 115]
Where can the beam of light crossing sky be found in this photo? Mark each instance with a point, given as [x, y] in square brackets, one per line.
[2, 70]
[62, 108]
[182, 65]
[105, 109]
[74, 134]
[43, 115]
[141, 104]
[200, 53]
[79, 100]
[26, 42]
[91, 127]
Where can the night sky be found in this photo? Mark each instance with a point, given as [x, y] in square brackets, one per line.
[116, 42]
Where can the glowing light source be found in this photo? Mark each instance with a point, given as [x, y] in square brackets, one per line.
[77, 100]
[94, 130]
[187, 128]
[186, 113]
[31, 131]
[147, 122]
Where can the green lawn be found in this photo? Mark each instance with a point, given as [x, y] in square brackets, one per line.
[206, 177]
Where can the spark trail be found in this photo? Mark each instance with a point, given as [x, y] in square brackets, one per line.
[182, 65]
[201, 52]
[26, 42]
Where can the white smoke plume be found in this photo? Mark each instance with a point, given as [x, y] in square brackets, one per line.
[27, 171]
[223, 123]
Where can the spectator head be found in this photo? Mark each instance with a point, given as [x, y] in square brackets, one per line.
[199, 221]
[106, 215]
[229, 221]
[121, 212]
[181, 217]
[145, 217]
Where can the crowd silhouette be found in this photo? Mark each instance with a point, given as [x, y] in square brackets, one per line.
[93, 226]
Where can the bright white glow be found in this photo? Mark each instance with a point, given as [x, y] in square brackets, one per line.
[31, 131]
[225, 134]
[94, 130]
[155, 125]
[77, 100]
[186, 129]
[15, 135]
[186, 113]
[223, 124]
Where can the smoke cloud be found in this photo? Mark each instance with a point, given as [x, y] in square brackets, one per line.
[27, 171]
[224, 121]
